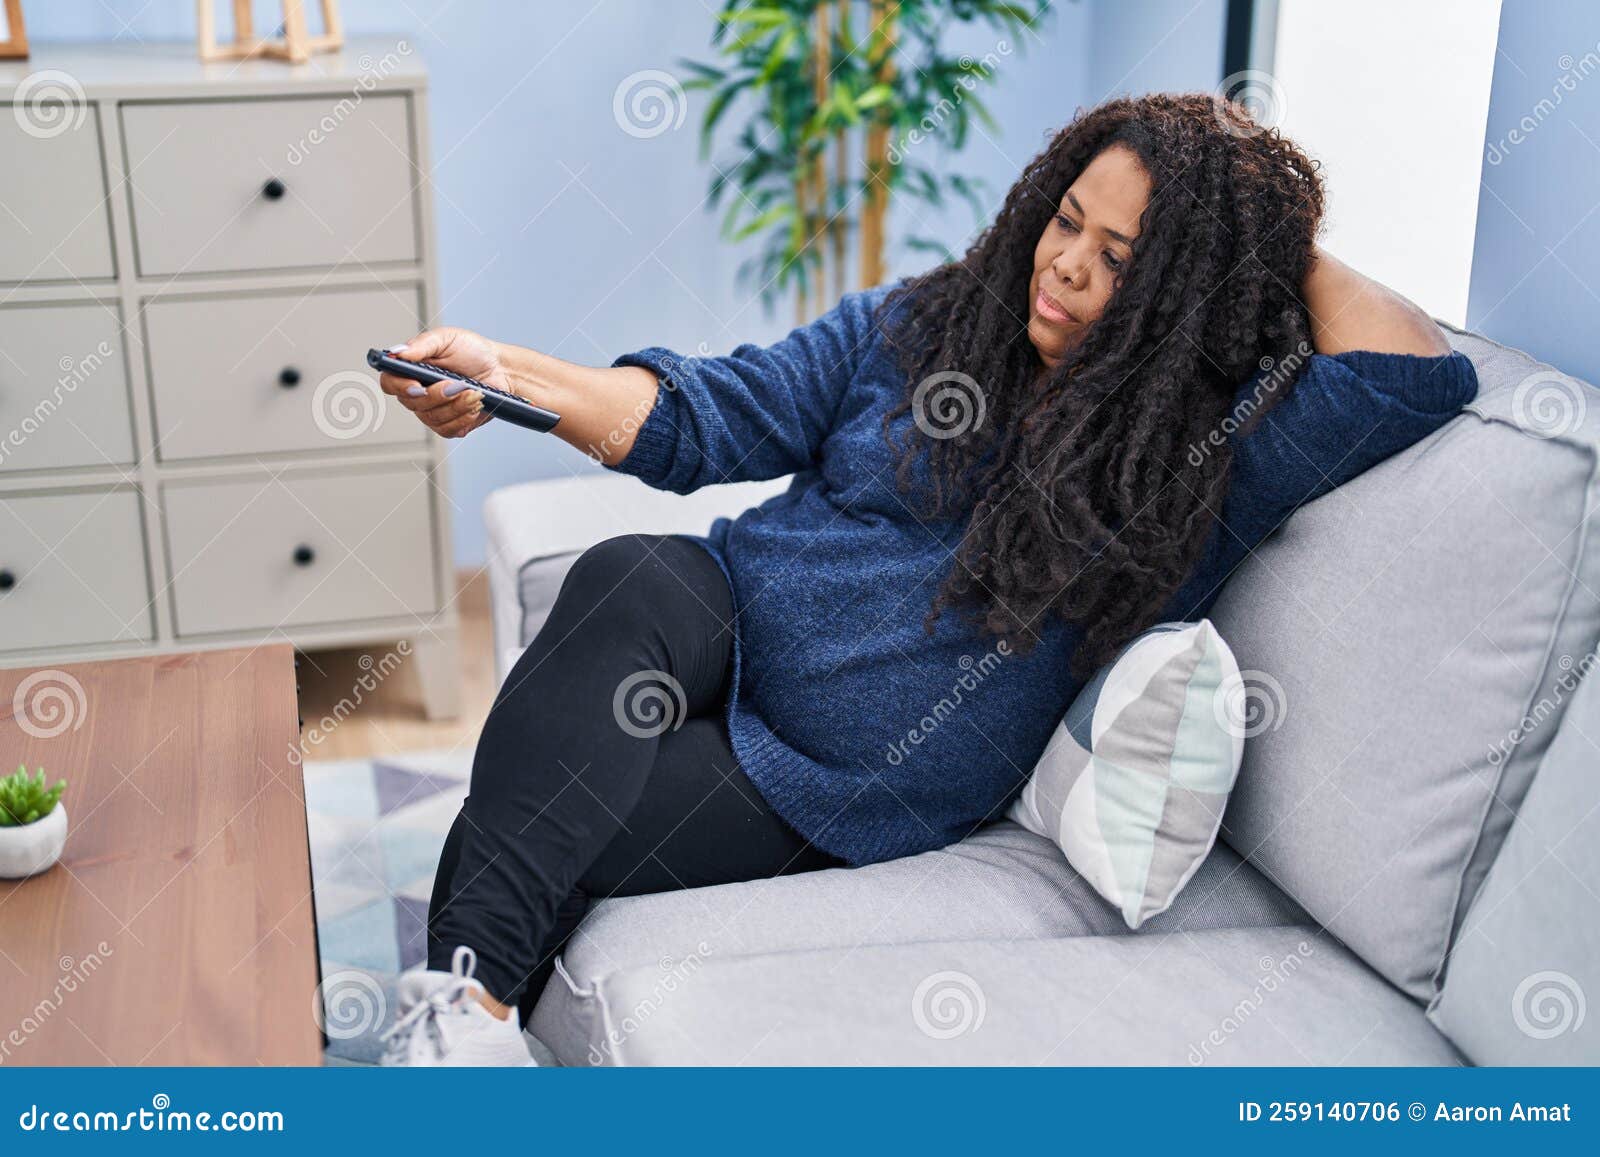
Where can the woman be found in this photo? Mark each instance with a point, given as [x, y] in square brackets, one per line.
[1004, 469]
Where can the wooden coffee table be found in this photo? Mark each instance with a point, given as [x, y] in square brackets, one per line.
[177, 928]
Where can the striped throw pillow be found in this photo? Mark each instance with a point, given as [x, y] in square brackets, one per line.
[1134, 781]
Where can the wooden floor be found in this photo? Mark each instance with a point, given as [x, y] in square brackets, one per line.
[389, 720]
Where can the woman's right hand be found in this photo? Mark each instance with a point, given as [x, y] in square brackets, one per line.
[601, 409]
[449, 409]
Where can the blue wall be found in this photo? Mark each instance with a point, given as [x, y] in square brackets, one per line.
[1156, 46]
[559, 231]
[1536, 265]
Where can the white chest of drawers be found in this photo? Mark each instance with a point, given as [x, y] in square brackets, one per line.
[193, 261]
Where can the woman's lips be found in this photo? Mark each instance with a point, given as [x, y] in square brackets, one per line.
[1050, 311]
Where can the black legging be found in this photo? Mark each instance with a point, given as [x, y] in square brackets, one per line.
[604, 768]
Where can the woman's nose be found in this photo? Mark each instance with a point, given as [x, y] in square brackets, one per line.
[1070, 268]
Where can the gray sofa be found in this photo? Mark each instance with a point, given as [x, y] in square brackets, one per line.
[1409, 868]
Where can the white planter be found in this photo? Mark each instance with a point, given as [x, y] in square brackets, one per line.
[31, 848]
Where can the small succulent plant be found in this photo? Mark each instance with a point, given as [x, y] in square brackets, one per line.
[24, 800]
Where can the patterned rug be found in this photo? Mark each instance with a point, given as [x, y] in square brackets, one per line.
[376, 828]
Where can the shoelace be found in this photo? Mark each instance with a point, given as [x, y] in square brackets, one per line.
[426, 1012]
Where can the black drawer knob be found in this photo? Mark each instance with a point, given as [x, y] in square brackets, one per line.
[288, 377]
[7, 580]
[274, 189]
[304, 555]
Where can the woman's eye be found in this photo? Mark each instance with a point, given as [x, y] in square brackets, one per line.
[1112, 261]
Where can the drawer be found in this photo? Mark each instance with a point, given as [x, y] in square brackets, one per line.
[56, 225]
[77, 571]
[218, 367]
[200, 174]
[63, 388]
[284, 551]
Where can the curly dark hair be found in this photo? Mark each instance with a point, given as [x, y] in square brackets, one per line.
[1083, 497]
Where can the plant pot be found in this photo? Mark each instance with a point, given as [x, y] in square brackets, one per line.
[31, 848]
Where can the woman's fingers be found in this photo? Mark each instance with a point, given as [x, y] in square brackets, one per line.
[427, 346]
[436, 346]
[440, 395]
[424, 400]
[464, 425]
[449, 409]
[398, 387]
[444, 415]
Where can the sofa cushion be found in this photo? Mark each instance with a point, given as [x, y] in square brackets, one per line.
[1133, 781]
[1399, 630]
[1255, 996]
[1003, 883]
[1519, 980]
[538, 583]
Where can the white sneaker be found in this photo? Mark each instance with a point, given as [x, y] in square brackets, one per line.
[442, 1023]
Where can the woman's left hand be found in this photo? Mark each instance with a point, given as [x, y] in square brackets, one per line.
[1352, 312]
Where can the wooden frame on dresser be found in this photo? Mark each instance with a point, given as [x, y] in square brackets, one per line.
[193, 453]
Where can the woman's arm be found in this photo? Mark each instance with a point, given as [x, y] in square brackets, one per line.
[601, 408]
[1391, 380]
[1350, 311]
[676, 422]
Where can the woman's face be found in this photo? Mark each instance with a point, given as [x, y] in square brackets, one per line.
[1082, 250]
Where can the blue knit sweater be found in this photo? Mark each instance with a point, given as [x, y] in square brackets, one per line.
[870, 738]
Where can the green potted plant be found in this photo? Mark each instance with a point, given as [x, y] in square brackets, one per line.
[33, 823]
[845, 103]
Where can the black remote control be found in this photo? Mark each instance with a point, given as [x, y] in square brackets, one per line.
[499, 404]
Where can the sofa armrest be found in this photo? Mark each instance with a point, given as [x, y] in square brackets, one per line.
[545, 520]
